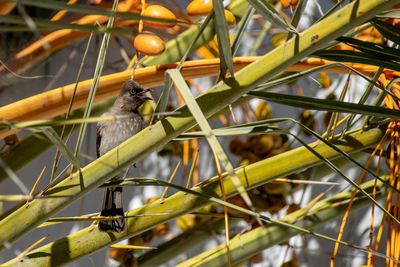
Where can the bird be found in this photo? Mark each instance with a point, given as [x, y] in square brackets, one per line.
[111, 133]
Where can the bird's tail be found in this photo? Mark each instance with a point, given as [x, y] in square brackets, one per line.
[112, 206]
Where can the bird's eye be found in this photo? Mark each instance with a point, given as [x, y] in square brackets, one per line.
[133, 92]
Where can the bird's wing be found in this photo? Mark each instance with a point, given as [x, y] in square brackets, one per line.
[98, 139]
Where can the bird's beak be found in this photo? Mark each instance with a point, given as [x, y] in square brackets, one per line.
[143, 96]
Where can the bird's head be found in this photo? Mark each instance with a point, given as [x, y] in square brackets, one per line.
[131, 96]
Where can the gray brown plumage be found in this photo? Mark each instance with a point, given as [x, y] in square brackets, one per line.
[110, 134]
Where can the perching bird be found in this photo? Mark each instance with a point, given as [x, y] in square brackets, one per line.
[112, 133]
